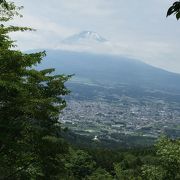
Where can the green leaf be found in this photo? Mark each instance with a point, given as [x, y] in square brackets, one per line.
[178, 15]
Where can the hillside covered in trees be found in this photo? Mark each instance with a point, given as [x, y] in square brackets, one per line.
[32, 143]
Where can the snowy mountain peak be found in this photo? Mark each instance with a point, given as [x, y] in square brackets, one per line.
[92, 36]
[85, 36]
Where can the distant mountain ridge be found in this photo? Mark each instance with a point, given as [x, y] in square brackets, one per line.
[112, 70]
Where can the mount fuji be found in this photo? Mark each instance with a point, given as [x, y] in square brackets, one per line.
[85, 37]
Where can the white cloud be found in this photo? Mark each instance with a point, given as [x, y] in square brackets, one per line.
[135, 28]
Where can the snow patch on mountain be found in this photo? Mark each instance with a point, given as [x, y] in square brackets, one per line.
[85, 37]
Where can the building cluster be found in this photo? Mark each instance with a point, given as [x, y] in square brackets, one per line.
[147, 117]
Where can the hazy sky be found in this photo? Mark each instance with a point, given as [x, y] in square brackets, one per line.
[134, 28]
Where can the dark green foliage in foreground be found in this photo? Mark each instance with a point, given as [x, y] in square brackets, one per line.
[30, 103]
[160, 162]
[174, 9]
[80, 164]
[100, 174]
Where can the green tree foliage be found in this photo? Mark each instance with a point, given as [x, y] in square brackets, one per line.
[160, 162]
[100, 174]
[151, 172]
[118, 171]
[80, 164]
[168, 166]
[174, 9]
[168, 152]
[30, 103]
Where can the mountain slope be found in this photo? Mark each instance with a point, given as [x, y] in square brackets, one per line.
[112, 70]
[113, 95]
